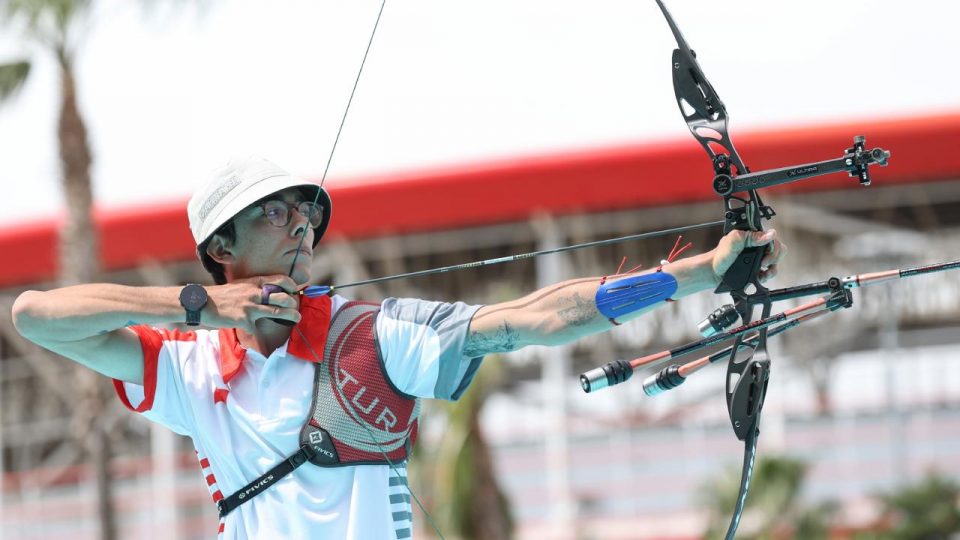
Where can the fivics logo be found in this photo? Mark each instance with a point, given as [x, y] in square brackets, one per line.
[262, 483]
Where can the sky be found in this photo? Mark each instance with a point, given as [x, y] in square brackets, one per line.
[171, 91]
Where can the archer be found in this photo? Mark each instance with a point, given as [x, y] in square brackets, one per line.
[277, 378]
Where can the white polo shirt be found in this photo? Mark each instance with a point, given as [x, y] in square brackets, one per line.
[244, 413]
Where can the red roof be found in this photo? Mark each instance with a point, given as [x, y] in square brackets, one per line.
[924, 149]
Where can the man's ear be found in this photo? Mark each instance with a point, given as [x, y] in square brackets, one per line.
[219, 250]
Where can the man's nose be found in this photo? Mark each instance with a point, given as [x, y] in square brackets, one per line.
[300, 222]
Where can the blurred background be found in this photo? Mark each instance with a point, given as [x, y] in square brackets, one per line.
[480, 130]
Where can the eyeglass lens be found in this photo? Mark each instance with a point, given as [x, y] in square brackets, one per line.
[278, 212]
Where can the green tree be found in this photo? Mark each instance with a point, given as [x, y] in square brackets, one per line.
[12, 77]
[773, 508]
[926, 510]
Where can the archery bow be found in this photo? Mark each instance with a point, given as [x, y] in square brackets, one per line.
[707, 121]
[749, 367]
[748, 370]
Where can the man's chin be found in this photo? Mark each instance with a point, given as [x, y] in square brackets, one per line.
[301, 275]
[301, 272]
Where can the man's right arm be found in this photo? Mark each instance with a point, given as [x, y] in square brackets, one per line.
[88, 323]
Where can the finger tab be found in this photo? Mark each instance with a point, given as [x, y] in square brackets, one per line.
[267, 290]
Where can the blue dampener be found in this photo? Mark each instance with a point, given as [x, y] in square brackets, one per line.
[617, 298]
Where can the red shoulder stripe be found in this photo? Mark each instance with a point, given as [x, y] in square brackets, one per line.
[151, 341]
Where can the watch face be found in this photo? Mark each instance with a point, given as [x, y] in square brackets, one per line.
[193, 297]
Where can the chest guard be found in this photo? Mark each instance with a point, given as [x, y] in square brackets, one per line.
[357, 415]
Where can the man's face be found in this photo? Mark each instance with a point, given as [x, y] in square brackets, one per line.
[263, 248]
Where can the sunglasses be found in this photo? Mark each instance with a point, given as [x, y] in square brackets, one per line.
[279, 213]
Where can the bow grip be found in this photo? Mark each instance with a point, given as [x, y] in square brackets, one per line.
[744, 270]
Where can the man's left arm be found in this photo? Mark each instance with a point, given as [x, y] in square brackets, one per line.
[567, 311]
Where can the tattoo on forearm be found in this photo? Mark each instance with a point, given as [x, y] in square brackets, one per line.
[581, 311]
[504, 339]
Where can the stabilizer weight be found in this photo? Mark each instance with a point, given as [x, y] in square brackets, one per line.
[608, 375]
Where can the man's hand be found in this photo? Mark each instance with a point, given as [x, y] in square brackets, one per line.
[238, 304]
[731, 245]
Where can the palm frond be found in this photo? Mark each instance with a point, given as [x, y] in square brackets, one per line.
[34, 11]
[50, 21]
[12, 77]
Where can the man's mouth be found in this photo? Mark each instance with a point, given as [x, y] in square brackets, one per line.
[302, 251]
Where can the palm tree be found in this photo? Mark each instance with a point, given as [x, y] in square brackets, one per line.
[54, 24]
[467, 500]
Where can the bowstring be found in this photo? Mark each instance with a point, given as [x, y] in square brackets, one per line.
[393, 466]
[343, 120]
[303, 235]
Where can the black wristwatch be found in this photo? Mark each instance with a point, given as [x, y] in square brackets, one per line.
[193, 297]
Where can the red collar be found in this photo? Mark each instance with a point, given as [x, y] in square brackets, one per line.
[313, 326]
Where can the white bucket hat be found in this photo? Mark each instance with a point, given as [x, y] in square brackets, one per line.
[236, 185]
